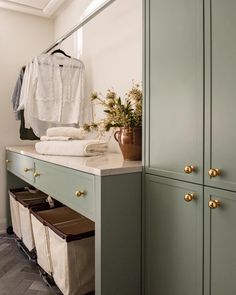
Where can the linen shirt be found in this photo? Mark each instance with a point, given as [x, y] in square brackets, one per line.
[53, 93]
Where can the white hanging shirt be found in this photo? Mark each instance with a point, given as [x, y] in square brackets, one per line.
[53, 93]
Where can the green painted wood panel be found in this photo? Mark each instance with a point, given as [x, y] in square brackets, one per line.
[62, 183]
[174, 88]
[220, 92]
[118, 234]
[220, 243]
[17, 165]
[174, 237]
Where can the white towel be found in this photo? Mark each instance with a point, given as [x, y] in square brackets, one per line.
[55, 138]
[72, 147]
[73, 132]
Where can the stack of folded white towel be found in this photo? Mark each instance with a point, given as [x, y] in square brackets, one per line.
[69, 141]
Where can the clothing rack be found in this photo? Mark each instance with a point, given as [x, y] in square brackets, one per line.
[81, 24]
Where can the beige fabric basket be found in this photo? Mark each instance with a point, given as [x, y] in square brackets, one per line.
[73, 263]
[41, 240]
[15, 216]
[21, 200]
[65, 249]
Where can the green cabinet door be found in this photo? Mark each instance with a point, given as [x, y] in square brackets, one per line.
[173, 237]
[220, 243]
[174, 88]
[221, 93]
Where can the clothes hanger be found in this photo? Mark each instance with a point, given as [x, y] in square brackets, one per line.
[60, 51]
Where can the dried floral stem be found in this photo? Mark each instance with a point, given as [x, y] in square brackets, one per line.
[118, 114]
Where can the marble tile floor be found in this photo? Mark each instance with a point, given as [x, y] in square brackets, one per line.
[18, 276]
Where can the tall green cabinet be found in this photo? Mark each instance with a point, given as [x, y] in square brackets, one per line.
[190, 144]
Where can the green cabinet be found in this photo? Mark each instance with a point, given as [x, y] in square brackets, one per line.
[112, 200]
[220, 242]
[190, 88]
[220, 75]
[174, 237]
[174, 88]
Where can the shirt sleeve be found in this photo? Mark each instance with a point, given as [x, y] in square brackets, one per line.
[16, 94]
[28, 91]
[23, 90]
[86, 111]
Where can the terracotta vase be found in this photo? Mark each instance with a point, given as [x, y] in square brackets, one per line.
[130, 142]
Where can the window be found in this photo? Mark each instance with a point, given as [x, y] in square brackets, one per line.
[79, 35]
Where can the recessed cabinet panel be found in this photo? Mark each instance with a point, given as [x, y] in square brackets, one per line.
[221, 93]
[174, 241]
[174, 88]
[73, 188]
[20, 165]
[220, 242]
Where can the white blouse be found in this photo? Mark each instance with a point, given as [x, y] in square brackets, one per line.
[53, 93]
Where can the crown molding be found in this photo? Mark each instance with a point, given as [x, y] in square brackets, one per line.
[48, 11]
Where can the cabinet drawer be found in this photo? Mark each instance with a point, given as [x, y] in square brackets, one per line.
[64, 183]
[20, 165]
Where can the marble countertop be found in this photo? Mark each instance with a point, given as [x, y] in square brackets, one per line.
[107, 164]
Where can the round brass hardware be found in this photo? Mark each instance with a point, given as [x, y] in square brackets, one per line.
[213, 204]
[36, 174]
[8, 161]
[188, 197]
[214, 172]
[80, 193]
[189, 169]
[27, 169]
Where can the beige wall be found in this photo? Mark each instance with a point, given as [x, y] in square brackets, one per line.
[112, 45]
[21, 38]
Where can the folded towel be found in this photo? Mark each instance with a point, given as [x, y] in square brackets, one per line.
[55, 138]
[73, 132]
[72, 147]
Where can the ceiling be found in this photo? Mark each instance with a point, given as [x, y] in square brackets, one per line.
[45, 8]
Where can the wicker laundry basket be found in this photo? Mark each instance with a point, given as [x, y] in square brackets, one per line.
[66, 248]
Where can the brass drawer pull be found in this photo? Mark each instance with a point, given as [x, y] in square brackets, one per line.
[189, 197]
[189, 169]
[213, 204]
[214, 172]
[28, 169]
[8, 161]
[80, 194]
[36, 174]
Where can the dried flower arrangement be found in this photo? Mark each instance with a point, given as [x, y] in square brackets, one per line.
[118, 114]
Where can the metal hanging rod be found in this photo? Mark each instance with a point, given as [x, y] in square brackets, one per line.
[81, 24]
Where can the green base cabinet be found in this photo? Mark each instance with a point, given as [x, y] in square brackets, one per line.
[174, 237]
[220, 242]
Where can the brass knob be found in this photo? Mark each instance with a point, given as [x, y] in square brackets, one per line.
[36, 174]
[189, 169]
[8, 161]
[80, 193]
[188, 197]
[213, 204]
[27, 169]
[214, 172]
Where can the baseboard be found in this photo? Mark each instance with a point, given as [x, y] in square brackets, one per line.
[2, 226]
